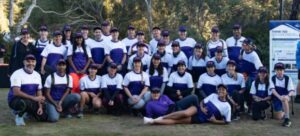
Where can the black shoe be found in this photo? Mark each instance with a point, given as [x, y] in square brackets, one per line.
[263, 115]
[287, 122]
[297, 99]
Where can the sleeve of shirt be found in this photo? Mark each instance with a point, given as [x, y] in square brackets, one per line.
[124, 48]
[208, 98]
[48, 82]
[126, 80]
[243, 84]
[190, 81]
[88, 52]
[253, 89]
[40, 82]
[165, 75]
[15, 80]
[190, 63]
[170, 83]
[271, 86]
[146, 79]
[291, 85]
[70, 51]
[200, 82]
[106, 49]
[185, 60]
[227, 113]
[104, 82]
[130, 61]
[257, 61]
[45, 52]
[120, 80]
[82, 84]
[70, 82]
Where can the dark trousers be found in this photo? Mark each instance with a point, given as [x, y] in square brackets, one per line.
[118, 103]
[186, 102]
[258, 108]
[22, 105]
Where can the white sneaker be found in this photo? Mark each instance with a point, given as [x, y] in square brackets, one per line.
[148, 120]
[158, 119]
[19, 121]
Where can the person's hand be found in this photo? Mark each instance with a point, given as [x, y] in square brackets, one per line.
[40, 111]
[2, 50]
[99, 66]
[178, 92]
[284, 98]
[119, 67]
[59, 107]
[92, 95]
[204, 110]
[111, 103]
[212, 118]
[43, 71]
[40, 99]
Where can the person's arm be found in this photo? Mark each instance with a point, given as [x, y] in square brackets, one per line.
[216, 121]
[87, 65]
[115, 94]
[67, 91]
[124, 59]
[43, 63]
[108, 58]
[162, 89]
[106, 94]
[274, 92]
[72, 64]
[145, 89]
[186, 92]
[49, 97]
[127, 92]
[203, 108]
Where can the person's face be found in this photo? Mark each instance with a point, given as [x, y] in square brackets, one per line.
[112, 71]
[181, 68]
[79, 40]
[175, 49]
[92, 71]
[198, 52]
[215, 35]
[219, 55]
[182, 35]
[85, 32]
[231, 68]
[106, 29]
[29, 64]
[97, 33]
[156, 62]
[131, 33]
[161, 48]
[166, 39]
[246, 47]
[155, 95]
[279, 72]
[156, 33]
[140, 38]
[68, 34]
[25, 37]
[210, 70]
[43, 34]
[57, 39]
[140, 49]
[222, 92]
[115, 35]
[61, 68]
[262, 75]
[237, 32]
[137, 65]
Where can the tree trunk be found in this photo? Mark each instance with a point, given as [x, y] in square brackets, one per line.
[149, 15]
[11, 13]
[26, 16]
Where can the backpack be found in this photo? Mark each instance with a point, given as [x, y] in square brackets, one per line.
[53, 80]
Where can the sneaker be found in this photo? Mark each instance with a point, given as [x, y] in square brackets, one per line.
[263, 115]
[297, 99]
[287, 122]
[236, 118]
[80, 115]
[19, 121]
[148, 121]
[158, 119]
[68, 116]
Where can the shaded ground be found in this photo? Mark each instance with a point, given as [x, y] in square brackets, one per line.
[126, 125]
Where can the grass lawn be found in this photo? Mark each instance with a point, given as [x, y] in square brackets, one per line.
[104, 125]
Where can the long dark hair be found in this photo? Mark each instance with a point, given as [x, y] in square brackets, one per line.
[266, 80]
[75, 44]
[64, 38]
[160, 68]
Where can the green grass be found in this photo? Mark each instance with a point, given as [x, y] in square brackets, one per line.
[104, 125]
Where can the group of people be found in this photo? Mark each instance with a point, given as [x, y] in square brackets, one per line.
[167, 82]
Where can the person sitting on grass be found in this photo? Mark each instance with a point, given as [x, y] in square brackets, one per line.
[90, 86]
[136, 83]
[284, 88]
[59, 99]
[160, 105]
[214, 109]
[261, 91]
[25, 94]
[112, 87]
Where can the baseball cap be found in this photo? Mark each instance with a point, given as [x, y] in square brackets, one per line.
[210, 64]
[182, 29]
[262, 70]
[29, 57]
[43, 28]
[215, 29]
[279, 65]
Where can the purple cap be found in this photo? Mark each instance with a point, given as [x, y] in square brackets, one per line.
[141, 44]
[231, 62]
[67, 27]
[182, 29]
[165, 33]
[114, 29]
[61, 61]
[97, 28]
[279, 65]
[43, 28]
[131, 27]
[24, 31]
[156, 27]
[262, 70]
[105, 23]
[161, 43]
[222, 86]
[198, 46]
[215, 29]
[56, 33]
[248, 41]
[113, 65]
[78, 35]
[29, 57]
[210, 64]
[140, 33]
[180, 62]
[219, 49]
[93, 66]
[155, 90]
[175, 44]
[84, 27]
[137, 59]
[156, 56]
[236, 26]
